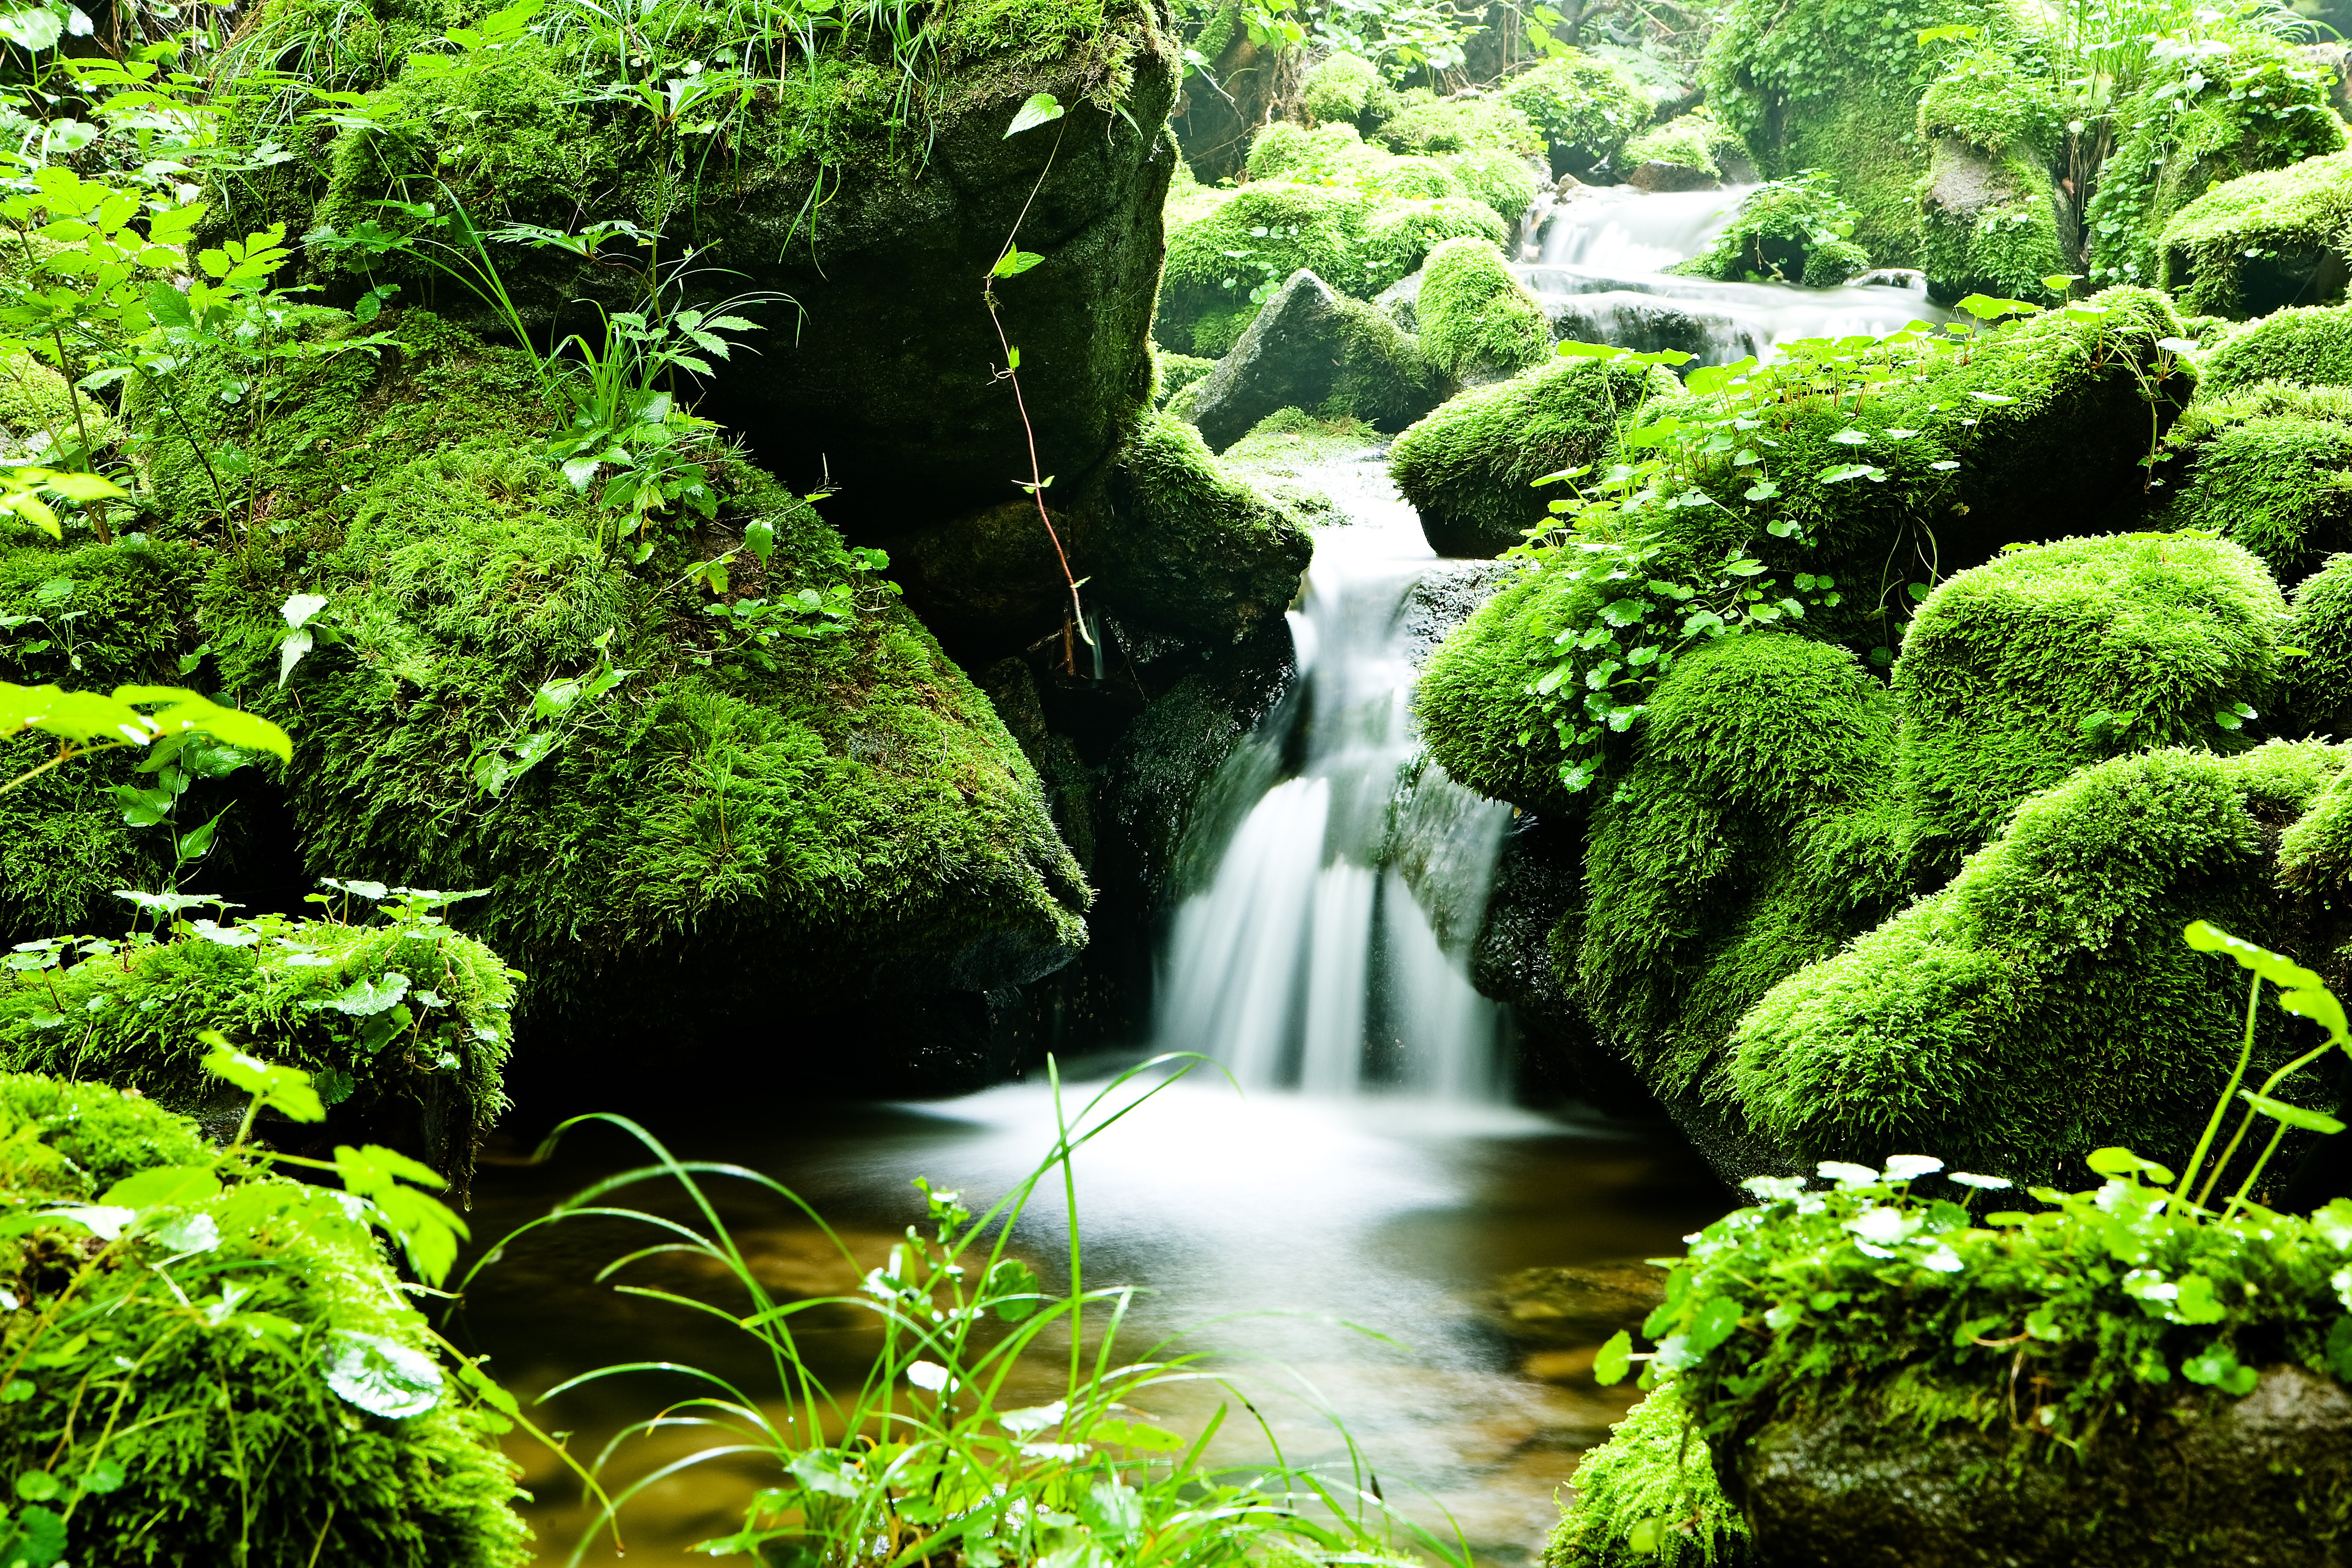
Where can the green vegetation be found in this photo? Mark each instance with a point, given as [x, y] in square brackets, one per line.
[2267, 468]
[1649, 1496]
[1342, 88]
[2311, 347]
[1986, 100]
[2018, 672]
[1470, 123]
[2263, 240]
[1787, 231]
[1471, 467]
[216, 1364]
[1992, 220]
[1695, 141]
[1584, 107]
[1477, 322]
[2318, 692]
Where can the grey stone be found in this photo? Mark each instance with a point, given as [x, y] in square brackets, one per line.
[1312, 347]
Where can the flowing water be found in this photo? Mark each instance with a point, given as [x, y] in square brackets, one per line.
[1344, 1216]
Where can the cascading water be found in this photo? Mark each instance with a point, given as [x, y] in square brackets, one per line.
[1597, 259]
[1311, 959]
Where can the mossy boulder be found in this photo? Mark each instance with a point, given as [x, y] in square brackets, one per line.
[1344, 87]
[1223, 265]
[1833, 84]
[1654, 1477]
[781, 790]
[1787, 231]
[1470, 468]
[2206, 121]
[2018, 671]
[2318, 689]
[1316, 350]
[1992, 217]
[851, 187]
[241, 1425]
[1693, 152]
[1477, 322]
[1464, 122]
[2309, 345]
[403, 1028]
[2042, 1003]
[2269, 467]
[1585, 108]
[2263, 241]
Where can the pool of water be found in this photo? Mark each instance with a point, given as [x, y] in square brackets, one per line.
[1338, 1254]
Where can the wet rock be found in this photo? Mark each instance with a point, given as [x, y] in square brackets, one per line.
[1990, 223]
[1644, 322]
[1314, 349]
[1578, 1306]
[2258, 1482]
[1671, 177]
[1444, 596]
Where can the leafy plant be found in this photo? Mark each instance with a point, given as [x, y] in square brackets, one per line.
[86, 723]
[923, 1459]
[556, 711]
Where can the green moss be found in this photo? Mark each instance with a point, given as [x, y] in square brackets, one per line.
[2311, 345]
[1172, 373]
[132, 1020]
[2205, 122]
[96, 616]
[2262, 240]
[2042, 1003]
[1318, 154]
[1792, 231]
[1498, 180]
[1654, 1471]
[2318, 692]
[1585, 108]
[241, 1449]
[1339, 86]
[38, 414]
[1384, 376]
[1478, 320]
[1459, 125]
[2003, 246]
[2015, 673]
[1191, 542]
[1221, 267]
[1833, 84]
[1694, 141]
[2278, 483]
[1724, 860]
[2040, 428]
[1470, 468]
[840, 802]
[1985, 100]
[1291, 441]
[1401, 234]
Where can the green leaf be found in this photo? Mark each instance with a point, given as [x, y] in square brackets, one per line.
[1616, 1359]
[38, 1486]
[1013, 263]
[364, 998]
[1717, 1317]
[1041, 108]
[381, 1375]
[2206, 937]
[103, 1476]
[2120, 1162]
[1135, 1435]
[164, 1185]
[286, 1090]
[2293, 1115]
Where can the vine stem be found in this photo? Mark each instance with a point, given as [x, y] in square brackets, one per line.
[1012, 373]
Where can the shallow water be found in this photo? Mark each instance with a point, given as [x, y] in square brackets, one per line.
[1359, 1241]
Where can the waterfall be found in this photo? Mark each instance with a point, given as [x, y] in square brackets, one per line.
[1328, 950]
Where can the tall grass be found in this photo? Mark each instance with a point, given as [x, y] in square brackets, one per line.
[927, 1460]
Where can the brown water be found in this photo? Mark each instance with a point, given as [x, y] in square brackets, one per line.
[1349, 1252]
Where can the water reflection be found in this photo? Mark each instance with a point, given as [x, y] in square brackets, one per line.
[1341, 1252]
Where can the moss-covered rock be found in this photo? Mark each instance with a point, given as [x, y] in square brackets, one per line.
[1400, 235]
[1657, 1477]
[1478, 320]
[1691, 153]
[2318, 692]
[2271, 467]
[1834, 85]
[2311, 346]
[1787, 231]
[1341, 88]
[402, 1026]
[1992, 217]
[1470, 468]
[1584, 106]
[850, 186]
[1461, 123]
[1190, 545]
[1312, 349]
[44, 420]
[2200, 121]
[2017, 672]
[236, 1426]
[2042, 1003]
[1172, 373]
[782, 791]
[2262, 241]
[1223, 265]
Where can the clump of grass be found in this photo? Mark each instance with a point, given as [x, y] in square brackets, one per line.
[926, 1460]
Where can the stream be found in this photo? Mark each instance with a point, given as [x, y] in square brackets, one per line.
[1335, 1212]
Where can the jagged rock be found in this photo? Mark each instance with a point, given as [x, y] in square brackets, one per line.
[1314, 349]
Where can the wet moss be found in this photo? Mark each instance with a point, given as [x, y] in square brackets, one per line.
[2311, 346]
[2263, 240]
[1463, 123]
[1653, 1475]
[1986, 100]
[1222, 265]
[1790, 231]
[240, 1439]
[2204, 122]
[1694, 141]
[1339, 87]
[2270, 468]
[1585, 108]
[1470, 468]
[1192, 546]
[1477, 322]
[2042, 1003]
[2318, 694]
[2017, 672]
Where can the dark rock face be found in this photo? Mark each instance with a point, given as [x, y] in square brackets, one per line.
[1671, 177]
[1309, 348]
[2256, 1482]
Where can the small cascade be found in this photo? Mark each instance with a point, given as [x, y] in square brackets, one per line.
[1328, 950]
[1597, 258]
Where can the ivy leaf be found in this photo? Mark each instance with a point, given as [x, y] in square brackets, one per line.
[1616, 1358]
[381, 1375]
[1042, 109]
